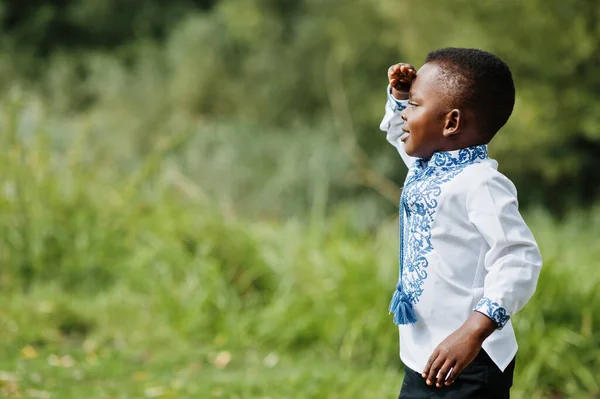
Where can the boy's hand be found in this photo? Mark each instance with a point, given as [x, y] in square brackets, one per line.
[400, 77]
[458, 350]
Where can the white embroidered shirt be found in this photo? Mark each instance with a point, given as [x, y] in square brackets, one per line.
[463, 247]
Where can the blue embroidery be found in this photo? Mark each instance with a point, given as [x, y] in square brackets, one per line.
[461, 158]
[418, 205]
[395, 104]
[493, 310]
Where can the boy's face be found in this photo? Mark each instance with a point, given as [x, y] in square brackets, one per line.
[425, 115]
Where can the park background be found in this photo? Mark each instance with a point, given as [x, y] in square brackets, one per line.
[196, 201]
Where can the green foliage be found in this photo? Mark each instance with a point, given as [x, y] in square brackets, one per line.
[136, 271]
[181, 182]
[139, 72]
[71, 24]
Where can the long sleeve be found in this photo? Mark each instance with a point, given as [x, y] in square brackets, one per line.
[392, 124]
[513, 261]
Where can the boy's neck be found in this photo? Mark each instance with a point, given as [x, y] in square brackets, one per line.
[456, 146]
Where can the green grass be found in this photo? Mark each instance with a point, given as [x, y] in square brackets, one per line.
[144, 359]
[132, 285]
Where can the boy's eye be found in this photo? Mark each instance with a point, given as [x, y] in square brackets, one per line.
[412, 103]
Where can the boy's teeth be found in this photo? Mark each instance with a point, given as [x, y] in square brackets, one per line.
[404, 136]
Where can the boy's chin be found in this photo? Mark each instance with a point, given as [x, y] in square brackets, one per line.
[415, 151]
[410, 149]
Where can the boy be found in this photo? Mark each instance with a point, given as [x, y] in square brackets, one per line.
[467, 259]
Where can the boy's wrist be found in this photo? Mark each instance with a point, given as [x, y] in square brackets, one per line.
[399, 95]
[479, 326]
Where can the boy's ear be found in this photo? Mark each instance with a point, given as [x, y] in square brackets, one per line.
[453, 123]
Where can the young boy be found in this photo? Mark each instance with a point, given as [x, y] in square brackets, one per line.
[467, 259]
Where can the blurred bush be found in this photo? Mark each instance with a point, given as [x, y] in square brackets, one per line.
[166, 257]
[215, 168]
[135, 73]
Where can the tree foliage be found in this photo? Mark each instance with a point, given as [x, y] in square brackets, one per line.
[277, 64]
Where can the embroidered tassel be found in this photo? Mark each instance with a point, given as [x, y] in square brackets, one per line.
[402, 308]
[400, 304]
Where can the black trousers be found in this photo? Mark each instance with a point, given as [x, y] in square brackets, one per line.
[481, 379]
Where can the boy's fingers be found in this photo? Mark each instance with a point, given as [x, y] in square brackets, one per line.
[451, 376]
[429, 363]
[402, 69]
[441, 378]
[401, 74]
[391, 72]
[458, 368]
[454, 373]
[433, 371]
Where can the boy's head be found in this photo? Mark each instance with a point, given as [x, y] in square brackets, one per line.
[459, 98]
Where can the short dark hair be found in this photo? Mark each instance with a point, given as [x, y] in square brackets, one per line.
[478, 80]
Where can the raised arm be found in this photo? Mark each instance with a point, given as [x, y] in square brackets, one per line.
[400, 78]
[392, 124]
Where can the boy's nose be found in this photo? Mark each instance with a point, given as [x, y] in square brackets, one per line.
[403, 114]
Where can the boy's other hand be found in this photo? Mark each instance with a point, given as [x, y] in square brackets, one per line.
[400, 77]
[458, 350]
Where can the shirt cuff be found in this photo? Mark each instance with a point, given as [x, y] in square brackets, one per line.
[395, 104]
[493, 310]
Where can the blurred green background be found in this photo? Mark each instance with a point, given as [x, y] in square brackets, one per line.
[196, 200]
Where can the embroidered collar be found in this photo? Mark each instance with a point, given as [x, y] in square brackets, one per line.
[464, 156]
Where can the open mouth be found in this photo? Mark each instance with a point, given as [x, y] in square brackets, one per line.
[404, 136]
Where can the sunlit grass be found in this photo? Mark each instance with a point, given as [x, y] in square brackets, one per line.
[133, 284]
